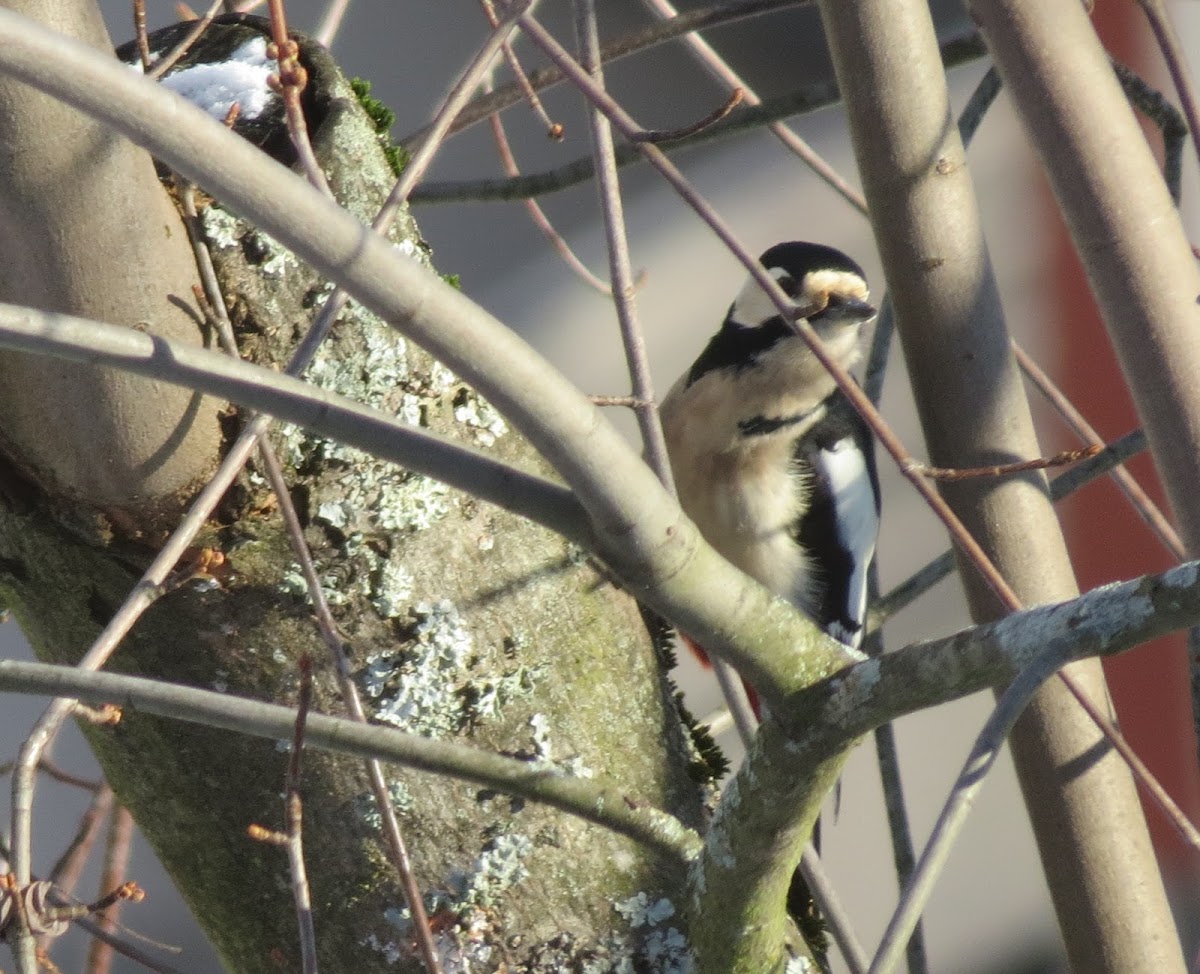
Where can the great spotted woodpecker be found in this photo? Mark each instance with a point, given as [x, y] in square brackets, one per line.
[770, 459]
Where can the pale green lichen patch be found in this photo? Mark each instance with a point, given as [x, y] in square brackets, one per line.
[498, 869]
[375, 371]
[639, 911]
[226, 231]
[419, 690]
[379, 497]
[477, 414]
[656, 946]
[391, 587]
[277, 260]
[847, 694]
[390, 950]
[428, 687]
[368, 810]
[222, 228]
[675, 832]
[473, 901]
[543, 751]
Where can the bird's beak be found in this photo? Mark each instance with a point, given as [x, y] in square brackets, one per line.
[842, 310]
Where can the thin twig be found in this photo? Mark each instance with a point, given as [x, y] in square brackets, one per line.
[142, 596]
[1128, 484]
[875, 371]
[627, 126]
[833, 911]
[737, 701]
[887, 757]
[1150, 102]
[746, 119]
[633, 340]
[460, 94]
[1136, 90]
[926, 577]
[1062, 459]
[1176, 58]
[139, 28]
[123, 947]
[631, 402]
[720, 69]
[508, 163]
[294, 817]
[982, 99]
[71, 863]
[290, 81]
[171, 58]
[654, 444]
[52, 770]
[55, 913]
[958, 49]
[554, 130]
[903, 856]
[588, 798]
[112, 877]
[387, 437]
[659, 136]
[331, 22]
[954, 813]
[394, 838]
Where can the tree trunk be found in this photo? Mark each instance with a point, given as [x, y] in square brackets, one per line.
[461, 620]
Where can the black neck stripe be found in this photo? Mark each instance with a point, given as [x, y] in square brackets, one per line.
[762, 425]
[738, 346]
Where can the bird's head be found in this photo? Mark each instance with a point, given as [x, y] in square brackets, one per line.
[828, 289]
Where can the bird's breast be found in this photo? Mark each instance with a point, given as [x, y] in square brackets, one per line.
[745, 502]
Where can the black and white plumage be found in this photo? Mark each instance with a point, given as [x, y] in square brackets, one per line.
[770, 459]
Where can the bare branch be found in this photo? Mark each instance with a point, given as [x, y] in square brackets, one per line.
[586, 798]
[112, 878]
[810, 98]
[632, 43]
[294, 817]
[331, 21]
[1173, 53]
[954, 813]
[1138, 498]
[296, 401]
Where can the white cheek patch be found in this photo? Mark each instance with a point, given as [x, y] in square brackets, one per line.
[752, 307]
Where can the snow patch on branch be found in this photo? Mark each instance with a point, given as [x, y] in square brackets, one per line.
[217, 87]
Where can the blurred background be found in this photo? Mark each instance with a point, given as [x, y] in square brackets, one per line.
[991, 911]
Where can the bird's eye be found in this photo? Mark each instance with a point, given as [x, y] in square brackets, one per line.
[789, 285]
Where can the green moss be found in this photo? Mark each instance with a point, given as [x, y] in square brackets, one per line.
[383, 118]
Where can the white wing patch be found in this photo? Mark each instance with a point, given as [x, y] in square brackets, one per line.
[849, 479]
